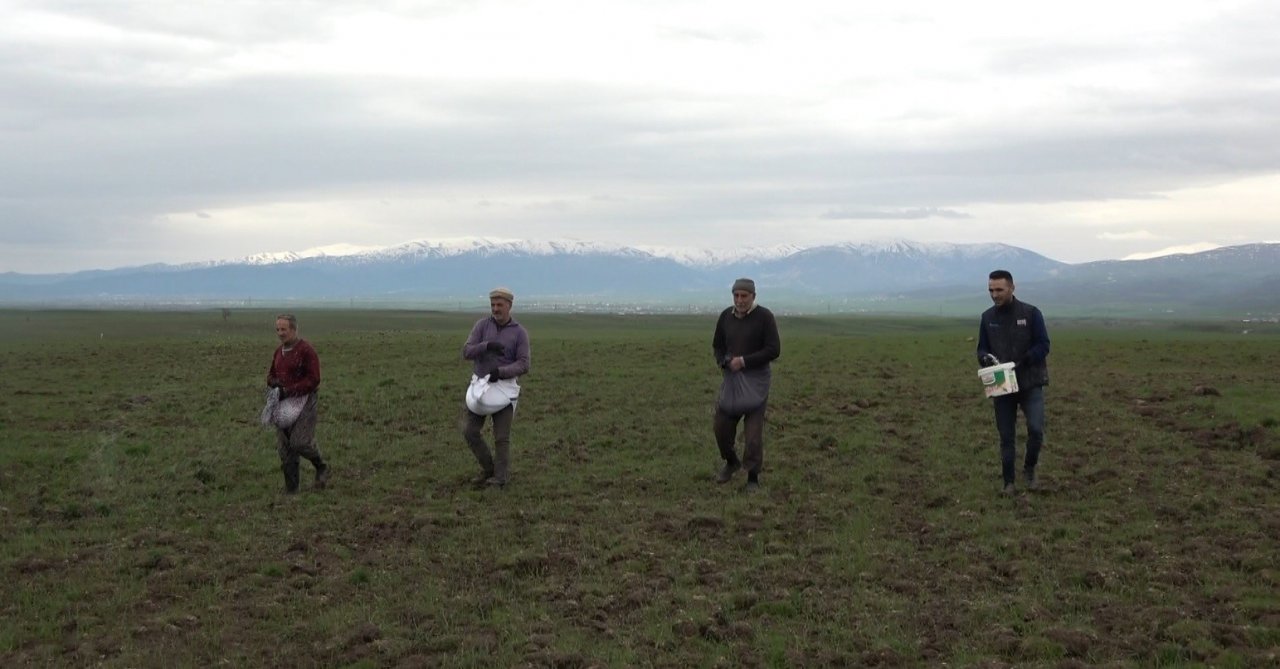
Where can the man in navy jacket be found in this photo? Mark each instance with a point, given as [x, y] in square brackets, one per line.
[1014, 331]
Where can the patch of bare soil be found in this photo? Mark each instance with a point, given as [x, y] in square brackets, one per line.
[1231, 436]
[1075, 642]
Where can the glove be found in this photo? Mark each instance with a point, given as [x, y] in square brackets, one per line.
[989, 360]
[273, 382]
[493, 375]
[493, 347]
[1023, 362]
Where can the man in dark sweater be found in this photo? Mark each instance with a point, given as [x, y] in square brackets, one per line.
[1014, 331]
[745, 343]
[295, 370]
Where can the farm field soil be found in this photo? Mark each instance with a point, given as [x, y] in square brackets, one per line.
[142, 521]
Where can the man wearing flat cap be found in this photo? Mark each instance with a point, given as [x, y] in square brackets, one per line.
[498, 348]
[745, 343]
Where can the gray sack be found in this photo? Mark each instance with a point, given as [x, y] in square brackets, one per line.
[745, 391]
[281, 412]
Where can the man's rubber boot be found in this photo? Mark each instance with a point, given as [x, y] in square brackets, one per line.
[322, 473]
[290, 470]
[727, 472]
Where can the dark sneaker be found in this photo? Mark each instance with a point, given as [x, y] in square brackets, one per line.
[1032, 483]
[495, 482]
[752, 488]
[727, 471]
[1008, 490]
[482, 479]
[322, 476]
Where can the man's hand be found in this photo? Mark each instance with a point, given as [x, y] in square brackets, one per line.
[273, 382]
[493, 347]
[990, 360]
[493, 374]
[737, 364]
[1023, 362]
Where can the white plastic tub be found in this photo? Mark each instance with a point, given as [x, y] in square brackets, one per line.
[999, 379]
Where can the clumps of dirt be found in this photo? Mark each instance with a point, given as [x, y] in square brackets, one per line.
[706, 573]
[1074, 642]
[152, 537]
[135, 402]
[1227, 436]
[366, 633]
[1098, 580]
[744, 600]
[704, 525]
[717, 630]
[1144, 409]
[937, 502]
[306, 569]
[684, 629]
[1231, 436]
[32, 565]
[363, 642]
[404, 530]
[856, 407]
[416, 661]
[525, 564]
[554, 660]
[156, 562]
[1104, 474]
[1143, 550]
[883, 657]
[749, 521]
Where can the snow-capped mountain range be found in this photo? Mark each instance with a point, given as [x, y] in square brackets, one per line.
[687, 256]
[890, 275]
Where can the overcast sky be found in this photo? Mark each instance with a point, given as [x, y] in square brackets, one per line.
[150, 131]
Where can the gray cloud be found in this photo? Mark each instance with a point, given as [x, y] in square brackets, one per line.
[257, 139]
[893, 215]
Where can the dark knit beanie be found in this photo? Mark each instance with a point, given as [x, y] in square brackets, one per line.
[745, 284]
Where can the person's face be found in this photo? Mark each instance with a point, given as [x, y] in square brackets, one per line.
[285, 332]
[742, 301]
[1001, 291]
[500, 308]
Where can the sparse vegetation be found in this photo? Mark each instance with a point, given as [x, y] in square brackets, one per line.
[141, 522]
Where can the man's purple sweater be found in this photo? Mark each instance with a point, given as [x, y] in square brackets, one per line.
[513, 361]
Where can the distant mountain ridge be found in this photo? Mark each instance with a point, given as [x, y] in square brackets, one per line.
[885, 276]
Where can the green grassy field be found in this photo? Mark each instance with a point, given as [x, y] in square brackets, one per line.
[142, 523]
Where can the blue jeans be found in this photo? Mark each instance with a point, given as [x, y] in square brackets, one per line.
[1006, 406]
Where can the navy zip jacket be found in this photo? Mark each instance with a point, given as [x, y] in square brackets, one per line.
[1016, 333]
